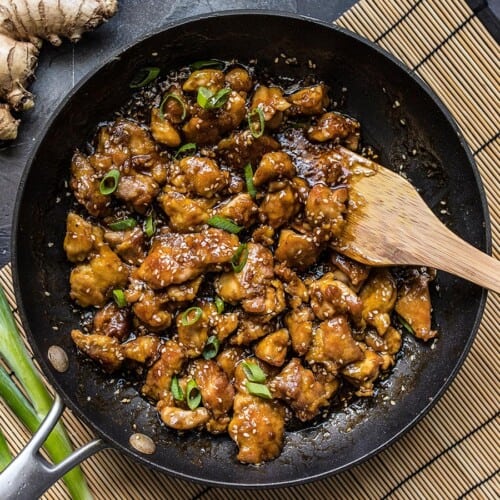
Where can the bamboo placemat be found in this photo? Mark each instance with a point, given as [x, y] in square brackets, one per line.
[453, 451]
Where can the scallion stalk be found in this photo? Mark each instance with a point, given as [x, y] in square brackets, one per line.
[5, 455]
[33, 409]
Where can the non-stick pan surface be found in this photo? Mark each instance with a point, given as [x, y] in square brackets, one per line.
[418, 133]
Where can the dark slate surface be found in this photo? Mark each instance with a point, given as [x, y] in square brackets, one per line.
[60, 68]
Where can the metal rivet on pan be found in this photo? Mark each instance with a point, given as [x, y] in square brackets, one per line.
[142, 443]
[58, 358]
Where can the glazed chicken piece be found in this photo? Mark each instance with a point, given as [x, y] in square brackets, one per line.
[333, 345]
[217, 392]
[173, 110]
[253, 286]
[280, 204]
[392, 339]
[180, 419]
[274, 166]
[138, 191]
[81, 237]
[414, 306]
[264, 235]
[272, 103]
[294, 287]
[239, 80]
[101, 348]
[224, 325]
[325, 208]
[92, 283]
[297, 250]
[200, 176]
[330, 297]
[309, 100]
[184, 292]
[257, 427]
[212, 79]
[356, 272]
[273, 348]
[242, 147]
[176, 258]
[364, 372]
[163, 130]
[185, 214]
[159, 376]
[141, 349]
[336, 127]
[193, 337]
[129, 244]
[299, 388]
[151, 308]
[240, 208]
[112, 321]
[300, 326]
[229, 358]
[85, 185]
[249, 330]
[379, 296]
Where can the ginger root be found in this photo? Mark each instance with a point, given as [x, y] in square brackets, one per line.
[24, 24]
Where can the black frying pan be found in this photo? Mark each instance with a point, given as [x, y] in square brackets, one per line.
[440, 165]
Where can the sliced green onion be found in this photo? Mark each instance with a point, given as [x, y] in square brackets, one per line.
[254, 130]
[191, 316]
[249, 180]
[119, 297]
[190, 147]
[193, 395]
[121, 225]
[5, 454]
[240, 258]
[150, 225]
[176, 98]
[253, 372]
[260, 390]
[223, 223]
[176, 389]
[219, 304]
[209, 63]
[406, 325]
[144, 76]
[211, 347]
[208, 100]
[109, 182]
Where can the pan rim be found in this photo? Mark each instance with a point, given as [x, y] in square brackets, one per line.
[28, 168]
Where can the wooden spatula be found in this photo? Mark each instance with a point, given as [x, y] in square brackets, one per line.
[388, 223]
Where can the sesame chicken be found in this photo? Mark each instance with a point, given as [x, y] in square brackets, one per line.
[203, 244]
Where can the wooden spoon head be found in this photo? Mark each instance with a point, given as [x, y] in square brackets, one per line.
[387, 220]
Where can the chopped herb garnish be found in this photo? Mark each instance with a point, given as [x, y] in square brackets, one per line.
[176, 389]
[190, 147]
[406, 325]
[219, 304]
[193, 394]
[211, 347]
[150, 225]
[123, 224]
[191, 316]
[109, 182]
[144, 76]
[223, 223]
[176, 98]
[260, 390]
[119, 297]
[253, 372]
[249, 180]
[209, 63]
[209, 100]
[256, 127]
[240, 258]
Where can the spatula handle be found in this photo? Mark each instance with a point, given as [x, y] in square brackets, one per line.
[453, 255]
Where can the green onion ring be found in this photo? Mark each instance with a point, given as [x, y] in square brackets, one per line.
[253, 372]
[109, 182]
[190, 147]
[262, 123]
[119, 297]
[224, 223]
[260, 390]
[176, 389]
[211, 348]
[193, 395]
[219, 304]
[249, 180]
[209, 63]
[150, 225]
[123, 224]
[240, 258]
[196, 312]
[150, 73]
[176, 98]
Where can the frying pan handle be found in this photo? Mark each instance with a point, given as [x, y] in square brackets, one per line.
[30, 475]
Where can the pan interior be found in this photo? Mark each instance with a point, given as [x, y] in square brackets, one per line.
[417, 133]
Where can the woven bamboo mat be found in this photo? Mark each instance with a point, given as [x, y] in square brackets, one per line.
[453, 451]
